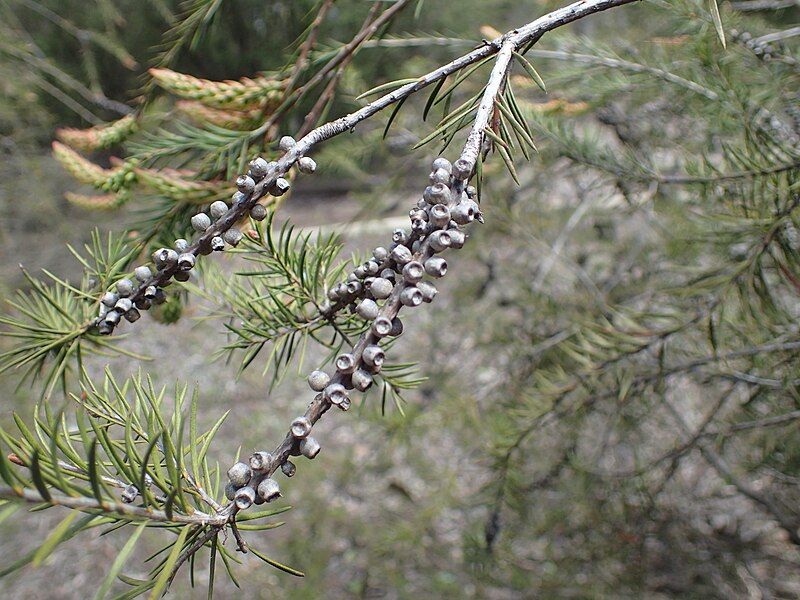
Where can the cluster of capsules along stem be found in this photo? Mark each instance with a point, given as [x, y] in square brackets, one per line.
[216, 232]
[394, 277]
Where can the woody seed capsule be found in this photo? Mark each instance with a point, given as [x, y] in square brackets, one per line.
[368, 309]
[333, 295]
[318, 380]
[142, 273]
[307, 165]
[411, 297]
[439, 215]
[380, 254]
[132, 315]
[381, 288]
[309, 447]
[360, 272]
[442, 163]
[245, 184]
[239, 474]
[233, 236]
[123, 305]
[287, 143]
[401, 255]
[160, 296]
[260, 461]
[345, 363]
[288, 468]
[439, 194]
[373, 355]
[218, 208]
[353, 287]
[230, 491]
[105, 328]
[462, 169]
[390, 275]
[129, 494]
[399, 236]
[201, 222]
[471, 191]
[109, 299]
[397, 327]
[428, 290]
[440, 176]
[186, 261]
[301, 427]
[345, 405]
[182, 276]
[439, 240]
[381, 326]
[258, 168]
[361, 380]
[124, 288]
[143, 303]
[436, 266]
[280, 187]
[181, 245]
[238, 197]
[269, 489]
[372, 267]
[457, 238]
[245, 497]
[413, 271]
[217, 244]
[165, 258]
[335, 393]
[258, 212]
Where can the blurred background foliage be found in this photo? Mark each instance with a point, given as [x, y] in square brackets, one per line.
[611, 406]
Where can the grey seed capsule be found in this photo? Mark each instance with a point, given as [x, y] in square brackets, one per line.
[381, 288]
[280, 187]
[436, 266]
[307, 165]
[123, 305]
[457, 238]
[142, 273]
[374, 355]
[411, 297]
[345, 404]
[471, 191]
[182, 276]
[397, 327]
[439, 215]
[260, 461]
[442, 163]
[318, 380]
[413, 271]
[463, 213]
[440, 194]
[239, 474]
[288, 468]
[345, 363]
[427, 195]
[360, 272]
[422, 203]
[181, 244]
[440, 176]
[380, 254]
[186, 261]
[439, 240]
[201, 222]
[129, 494]
[462, 169]
[132, 315]
[416, 246]
[112, 317]
[125, 288]
[335, 393]
[419, 226]
[218, 208]
[269, 489]
[389, 274]
[354, 287]
[245, 497]
[217, 244]
[230, 491]
[361, 380]
[418, 213]
[372, 267]
[401, 255]
[143, 303]
[341, 289]
[309, 447]
[160, 297]
[102, 311]
[367, 309]
[368, 282]
[245, 184]
[301, 427]
[381, 326]
[110, 299]
[165, 258]
[428, 290]
[258, 168]
[258, 212]
[333, 295]
[238, 198]
[287, 143]
[352, 277]
[233, 236]
[399, 236]
[105, 328]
